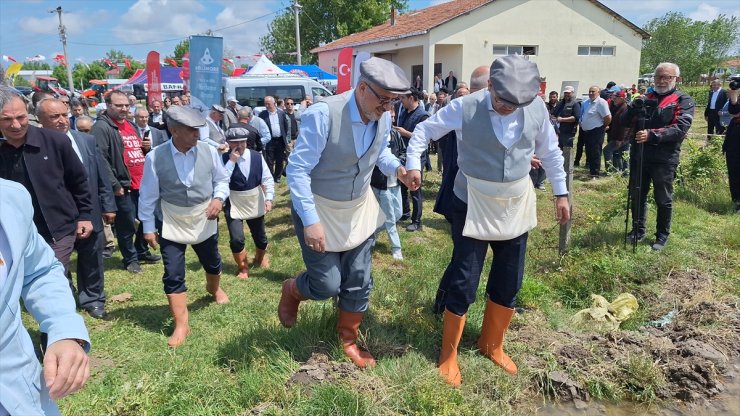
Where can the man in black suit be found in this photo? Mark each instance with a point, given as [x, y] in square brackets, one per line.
[89, 250]
[279, 127]
[717, 100]
[451, 82]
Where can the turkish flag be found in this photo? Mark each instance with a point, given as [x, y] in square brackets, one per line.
[128, 63]
[344, 70]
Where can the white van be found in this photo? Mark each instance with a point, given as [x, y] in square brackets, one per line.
[251, 90]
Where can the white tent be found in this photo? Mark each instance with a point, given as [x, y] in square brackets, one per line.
[265, 67]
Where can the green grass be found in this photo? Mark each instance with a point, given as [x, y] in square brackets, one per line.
[239, 358]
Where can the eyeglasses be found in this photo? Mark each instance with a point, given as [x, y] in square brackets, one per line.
[665, 77]
[504, 104]
[383, 101]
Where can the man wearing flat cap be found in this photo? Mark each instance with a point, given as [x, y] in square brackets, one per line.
[335, 213]
[185, 177]
[498, 130]
[251, 190]
[231, 114]
[211, 132]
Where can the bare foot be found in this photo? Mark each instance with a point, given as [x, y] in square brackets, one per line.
[178, 336]
[220, 296]
[243, 275]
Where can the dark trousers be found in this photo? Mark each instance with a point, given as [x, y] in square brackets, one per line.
[594, 141]
[63, 249]
[661, 176]
[461, 278]
[414, 208]
[581, 143]
[275, 157]
[90, 281]
[236, 232]
[566, 140]
[173, 258]
[614, 156]
[130, 237]
[713, 124]
[731, 147]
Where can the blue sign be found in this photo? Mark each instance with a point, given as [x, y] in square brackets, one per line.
[206, 54]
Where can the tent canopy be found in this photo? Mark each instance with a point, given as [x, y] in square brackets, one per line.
[170, 78]
[265, 67]
[312, 71]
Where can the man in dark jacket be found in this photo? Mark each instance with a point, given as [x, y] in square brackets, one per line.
[91, 297]
[45, 163]
[716, 100]
[279, 127]
[411, 113]
[665, 128]
[123, 151]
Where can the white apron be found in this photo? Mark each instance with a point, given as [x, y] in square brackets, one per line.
[500, 211]
[347, 224]
[246, 205]
[187, 225]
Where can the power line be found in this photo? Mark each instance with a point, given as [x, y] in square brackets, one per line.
[173, 39]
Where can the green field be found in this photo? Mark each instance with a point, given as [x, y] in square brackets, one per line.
[239, 360]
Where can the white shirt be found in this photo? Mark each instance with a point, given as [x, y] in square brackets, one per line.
[245, 166]
[142, 130]
[74, 146]
[508, 129]
[594, 113]
[185, 166]
[713, 101]
[274, 124]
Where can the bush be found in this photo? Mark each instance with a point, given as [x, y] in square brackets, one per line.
[699, 93]
[701, 176]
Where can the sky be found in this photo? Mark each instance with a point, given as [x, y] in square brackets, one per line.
[28, 28]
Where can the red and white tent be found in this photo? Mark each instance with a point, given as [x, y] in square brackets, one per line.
[265, 67]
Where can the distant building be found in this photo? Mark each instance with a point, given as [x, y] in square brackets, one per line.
[570, 40]
[30, 75]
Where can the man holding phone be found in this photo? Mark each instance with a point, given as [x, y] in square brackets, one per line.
[141, 120]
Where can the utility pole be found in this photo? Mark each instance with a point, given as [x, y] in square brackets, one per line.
[63, 37]
[297, 8]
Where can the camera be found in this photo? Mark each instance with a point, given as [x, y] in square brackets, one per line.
[735, 82]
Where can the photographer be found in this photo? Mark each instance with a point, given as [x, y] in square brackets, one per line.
[731, 146]
[668, 116]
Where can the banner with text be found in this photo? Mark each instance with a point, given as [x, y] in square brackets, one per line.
[206, 55]
[153, 77]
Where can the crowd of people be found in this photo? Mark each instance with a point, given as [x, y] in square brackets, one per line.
[158, 176]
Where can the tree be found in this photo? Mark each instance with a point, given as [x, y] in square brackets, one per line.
[696, 47]
[180, 49]
[36, 66]
[323, 21]
[117, 56]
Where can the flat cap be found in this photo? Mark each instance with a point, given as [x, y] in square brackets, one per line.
[186, 116]
[515, 80]
[216, 107]
[230, 98]
[568, 88]
[239, 134]
[385, 74]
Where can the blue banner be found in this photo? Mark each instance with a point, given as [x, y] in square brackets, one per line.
[206, 54]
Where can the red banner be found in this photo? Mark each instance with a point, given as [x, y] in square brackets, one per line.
[344, 70]
[153, 76]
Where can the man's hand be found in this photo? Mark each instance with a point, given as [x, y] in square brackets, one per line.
[268, 206]
[412, 179]
[562, 210]
[214, 208]
[109, 217]
[313, 235]
[402, 131]
[119, 192]
[223, 148]
[234, 155]
[66, 368]
[151, 239]
[536, 163]
[84, 229]
[146, 145]
[641, 136]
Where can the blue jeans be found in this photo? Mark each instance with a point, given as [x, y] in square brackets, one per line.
[390, 203]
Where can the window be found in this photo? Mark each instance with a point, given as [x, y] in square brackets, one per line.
[514, 50]
[255, 96]
[596, 50]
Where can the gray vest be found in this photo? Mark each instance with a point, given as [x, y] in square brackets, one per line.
[340, 175]
[171, 189]
[480, 153]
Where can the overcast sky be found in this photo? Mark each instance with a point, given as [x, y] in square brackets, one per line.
[138, 26]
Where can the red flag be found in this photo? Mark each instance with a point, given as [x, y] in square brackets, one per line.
[128, 63]
[153, 76]
[59, 58]
[108, 62]
[344, 71]
[186, 66]
[171, 62]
